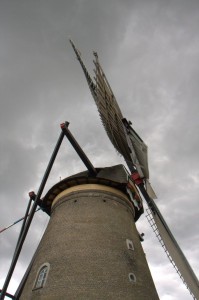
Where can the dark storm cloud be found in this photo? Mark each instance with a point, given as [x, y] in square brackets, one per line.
[149, 51]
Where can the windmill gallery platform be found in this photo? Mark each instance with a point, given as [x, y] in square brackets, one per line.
[91, 248]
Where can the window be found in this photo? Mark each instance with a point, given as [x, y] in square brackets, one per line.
[129, 244]
[132, 278]
[42, 276]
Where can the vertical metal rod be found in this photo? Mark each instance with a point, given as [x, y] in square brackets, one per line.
[78, 149]
[29, 220]
[24, 221]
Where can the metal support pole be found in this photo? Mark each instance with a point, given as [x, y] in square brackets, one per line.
[29, 220]
[78, 149]
[24, 221]
[9, 295]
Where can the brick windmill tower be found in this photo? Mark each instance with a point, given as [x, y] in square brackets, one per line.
[91, 248]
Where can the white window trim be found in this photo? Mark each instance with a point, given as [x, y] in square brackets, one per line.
[37, 276]
[128, 243]
[134, 278]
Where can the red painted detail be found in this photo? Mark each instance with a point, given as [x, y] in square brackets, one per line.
[32, 194]
[136, 178]
[62, 125]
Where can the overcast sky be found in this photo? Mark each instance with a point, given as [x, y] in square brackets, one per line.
[149, 50]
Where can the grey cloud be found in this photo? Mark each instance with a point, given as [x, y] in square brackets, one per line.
[149, 51]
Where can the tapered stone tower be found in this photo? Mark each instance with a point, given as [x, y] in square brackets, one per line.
[91, 248]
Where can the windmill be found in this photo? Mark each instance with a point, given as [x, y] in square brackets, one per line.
[134, 151]
[91, 248]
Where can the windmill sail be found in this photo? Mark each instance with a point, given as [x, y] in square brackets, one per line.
[173, 251]
[112, 117]
[88, 78]
[128, 143]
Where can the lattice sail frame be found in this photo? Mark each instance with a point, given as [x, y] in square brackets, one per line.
[113, 120]
[174, 254]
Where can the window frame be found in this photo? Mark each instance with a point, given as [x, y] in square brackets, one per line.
[43, 277]
[132, 278]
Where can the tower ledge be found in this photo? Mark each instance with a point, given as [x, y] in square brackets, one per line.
[115, 177]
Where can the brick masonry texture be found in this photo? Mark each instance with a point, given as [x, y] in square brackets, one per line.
[85, 245]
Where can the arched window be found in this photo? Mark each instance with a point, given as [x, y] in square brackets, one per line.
[130, 245]
[132, 278]
[41, 276]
